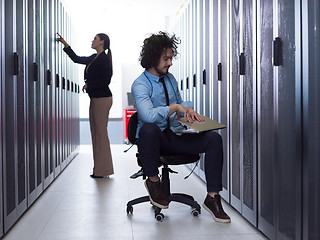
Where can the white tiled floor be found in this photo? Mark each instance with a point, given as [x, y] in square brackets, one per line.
[77, 207]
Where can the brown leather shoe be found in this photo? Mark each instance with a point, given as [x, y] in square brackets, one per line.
[156, 195]
[214, 207]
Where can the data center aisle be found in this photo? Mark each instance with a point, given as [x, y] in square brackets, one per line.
[77, 207]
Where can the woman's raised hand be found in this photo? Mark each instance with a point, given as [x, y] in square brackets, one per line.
[61, 39]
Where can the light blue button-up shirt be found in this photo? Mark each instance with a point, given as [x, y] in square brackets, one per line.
[150, 100]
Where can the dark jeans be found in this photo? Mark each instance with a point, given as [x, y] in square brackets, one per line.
[152, 141]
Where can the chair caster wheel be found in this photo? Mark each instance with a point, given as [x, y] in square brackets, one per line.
[129, 209]
[195, 212]
[159, 217]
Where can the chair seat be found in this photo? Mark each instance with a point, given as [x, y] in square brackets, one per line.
[175, 159]
[179, 159]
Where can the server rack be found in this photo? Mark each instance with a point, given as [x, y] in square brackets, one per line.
[31, 104]
[311, 118]
[264, 87]
[280, 149]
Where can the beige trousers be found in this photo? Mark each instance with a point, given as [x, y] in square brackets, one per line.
[99, 116]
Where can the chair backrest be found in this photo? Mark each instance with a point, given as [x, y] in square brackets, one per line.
[132, 128]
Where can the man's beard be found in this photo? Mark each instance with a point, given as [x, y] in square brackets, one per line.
[161, 72]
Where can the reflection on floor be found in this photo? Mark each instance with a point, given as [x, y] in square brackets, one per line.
[77, 207]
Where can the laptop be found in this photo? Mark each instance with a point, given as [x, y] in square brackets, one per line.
[196, 127]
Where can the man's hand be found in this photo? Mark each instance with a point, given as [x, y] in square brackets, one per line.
[189, 114]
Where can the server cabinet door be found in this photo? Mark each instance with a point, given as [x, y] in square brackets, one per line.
[243, 84]
[10, 171]
[311, 119]
[184, 38]
[205, 58]
[46, 136]
[69, 100]
[63, 92]
[51, 83]
[39, 91]
[193, 59]
[51, 86]
[202, 56]
[279, 111]
[180, 59]
[235, 158]
[21, 107]
[212, 100]
[33, 77]
[248, 118]
[58, 81]
[288, 117]
[266, 115]
[189, 53]
[47, 40]
[68, 95]
[222, 68]
[2, 40]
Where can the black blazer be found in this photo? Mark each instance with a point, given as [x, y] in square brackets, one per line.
[97, 76]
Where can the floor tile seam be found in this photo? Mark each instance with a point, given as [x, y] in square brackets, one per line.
[49, 219]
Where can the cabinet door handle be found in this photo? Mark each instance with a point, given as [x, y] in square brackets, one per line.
[187, 82]
[242, 64]
[194, 80]
[68, 85]
[57, 81]
[63, 83]
[15, 63]
[219, 70]
[181, 85]
[204, 77]
[277, 52]
[35, 72]
[48, 77]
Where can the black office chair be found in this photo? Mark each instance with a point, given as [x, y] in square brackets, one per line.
[164, 161]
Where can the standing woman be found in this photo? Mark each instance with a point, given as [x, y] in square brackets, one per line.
[97, 77]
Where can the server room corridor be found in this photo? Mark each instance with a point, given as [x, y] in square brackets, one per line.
[252, 65]
[77, 207]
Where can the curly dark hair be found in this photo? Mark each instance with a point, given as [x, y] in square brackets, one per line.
[153, 47]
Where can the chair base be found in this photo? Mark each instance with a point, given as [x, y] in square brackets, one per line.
[174, 197]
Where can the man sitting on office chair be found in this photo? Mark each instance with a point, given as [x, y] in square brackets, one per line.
[159, 103]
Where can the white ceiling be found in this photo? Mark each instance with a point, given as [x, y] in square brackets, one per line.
[135, 7]
[127, 22]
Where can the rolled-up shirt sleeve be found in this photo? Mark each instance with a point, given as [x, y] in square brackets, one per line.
[187, 104]
[147, 112]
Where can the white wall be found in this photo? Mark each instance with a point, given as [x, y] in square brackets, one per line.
[127, 23]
